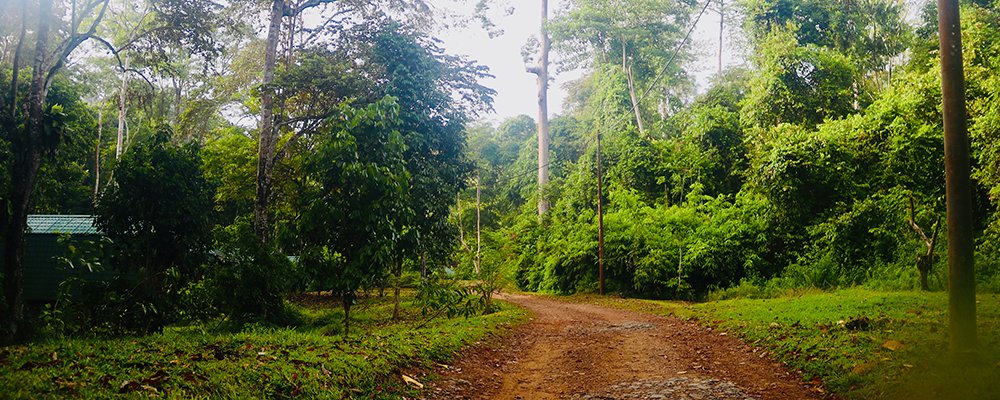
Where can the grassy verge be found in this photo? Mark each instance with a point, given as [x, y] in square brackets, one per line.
[311, 361]
[860, 343]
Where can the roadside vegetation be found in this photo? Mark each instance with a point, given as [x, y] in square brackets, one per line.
[314, 359]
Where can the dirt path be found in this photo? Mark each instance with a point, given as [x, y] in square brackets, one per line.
[583, 351]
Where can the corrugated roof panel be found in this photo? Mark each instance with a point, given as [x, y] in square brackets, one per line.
[55, 224]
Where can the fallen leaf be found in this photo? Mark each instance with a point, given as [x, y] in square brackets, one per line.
[323, 368]
[128, 386]
[411, 381]
[55, 357]
[892, 344]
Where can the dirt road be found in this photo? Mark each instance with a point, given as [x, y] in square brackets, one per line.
[583, 351]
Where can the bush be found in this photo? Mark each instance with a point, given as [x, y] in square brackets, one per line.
[158, 213]
[246, 280]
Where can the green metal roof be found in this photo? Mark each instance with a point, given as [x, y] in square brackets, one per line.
[55, 224]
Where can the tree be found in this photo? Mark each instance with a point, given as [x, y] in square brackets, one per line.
[797, 84]
[870, 33]
[541, 70]
[358, 189]
[31, 127]
[158, 213]
[636, 37]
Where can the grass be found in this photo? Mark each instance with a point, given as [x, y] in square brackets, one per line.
[862, 344]
[312, 361]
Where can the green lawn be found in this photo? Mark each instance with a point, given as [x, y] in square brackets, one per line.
[309, 361]
[861, 344]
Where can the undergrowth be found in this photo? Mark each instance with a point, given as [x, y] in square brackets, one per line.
[311, 361]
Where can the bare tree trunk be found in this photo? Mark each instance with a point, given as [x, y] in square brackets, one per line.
[122, 97]
[268, 137]
[479, 238]
[398, 274]
[627, 69]
[97, 153]
[635, 101]
[722, 26]
[27, 159]
[542, 72]
[461, 229]
[178, 96]
[16, 67]
[925, 261]
[348, 300]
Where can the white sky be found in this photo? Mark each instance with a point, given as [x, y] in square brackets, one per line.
[516, 88]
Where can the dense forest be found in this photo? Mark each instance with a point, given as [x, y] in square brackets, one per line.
[235, 152]
[819, 163]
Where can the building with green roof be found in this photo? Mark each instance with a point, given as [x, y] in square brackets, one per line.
[43, 270]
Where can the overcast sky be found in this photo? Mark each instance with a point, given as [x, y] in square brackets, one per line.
[516, 88]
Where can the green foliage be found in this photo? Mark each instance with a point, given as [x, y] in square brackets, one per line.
[158, 213]
[246, 280]
[871, 33]
[357, 195]
[798, 172]
[229, 163]
[620, 36]
[196, 362]
[798, 84]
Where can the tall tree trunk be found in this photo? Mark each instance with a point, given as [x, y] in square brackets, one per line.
[267, 135]
[10, 107]
[635, 100]
[97, 152]
[27, 149]
[461, 229]
[542, 72]
[722, 26]
[958, 184]
[178, 95]
[122, 97]
[16, 67]
[479, 235]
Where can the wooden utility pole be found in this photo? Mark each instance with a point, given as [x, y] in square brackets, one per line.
[542, 72]
[600, 219]
[958, 185]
